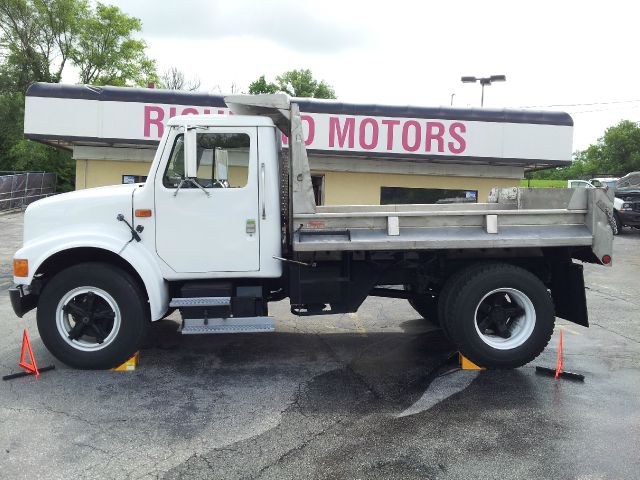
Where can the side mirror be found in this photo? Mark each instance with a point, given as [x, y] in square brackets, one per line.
[190, 153]
[222, 165]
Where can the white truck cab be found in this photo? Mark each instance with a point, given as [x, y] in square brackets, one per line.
[227, 222]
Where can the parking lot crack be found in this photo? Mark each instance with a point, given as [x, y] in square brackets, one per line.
[298, 448]
[69, 415]
[614, 332]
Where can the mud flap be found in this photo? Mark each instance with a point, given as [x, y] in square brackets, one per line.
[567, 290]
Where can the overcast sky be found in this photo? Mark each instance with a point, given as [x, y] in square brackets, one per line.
[413, 52]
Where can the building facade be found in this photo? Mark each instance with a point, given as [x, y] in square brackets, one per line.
[359, 154]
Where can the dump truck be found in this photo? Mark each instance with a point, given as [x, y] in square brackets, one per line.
[227, 223]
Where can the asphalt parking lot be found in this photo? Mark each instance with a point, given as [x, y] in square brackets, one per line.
[366, 395]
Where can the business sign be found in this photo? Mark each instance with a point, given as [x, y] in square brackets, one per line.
[115, 122]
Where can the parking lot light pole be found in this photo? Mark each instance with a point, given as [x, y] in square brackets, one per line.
[484, 81]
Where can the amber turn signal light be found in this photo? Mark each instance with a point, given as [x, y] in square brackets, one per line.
[143, 212]
[20, 267]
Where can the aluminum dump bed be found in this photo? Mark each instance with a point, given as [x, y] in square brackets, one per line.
[512, 218]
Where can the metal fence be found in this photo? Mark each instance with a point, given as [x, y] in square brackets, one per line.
[17, 190]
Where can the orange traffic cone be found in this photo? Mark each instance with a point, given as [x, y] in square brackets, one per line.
[29, 366]
[559, 370]
[559, 357]
[26, 348]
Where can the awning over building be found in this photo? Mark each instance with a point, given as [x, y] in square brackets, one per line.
[68, 115]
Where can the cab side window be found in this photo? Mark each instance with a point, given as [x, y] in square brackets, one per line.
[223, 161]
[175, 167]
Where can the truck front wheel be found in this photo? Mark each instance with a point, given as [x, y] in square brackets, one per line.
[502, 316]
[92, 316]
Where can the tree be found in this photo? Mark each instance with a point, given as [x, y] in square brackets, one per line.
[619, 149]
[617, 152]
[174, 79]
[297, 83]
[262, 86]
[106, 53]
[37, 38]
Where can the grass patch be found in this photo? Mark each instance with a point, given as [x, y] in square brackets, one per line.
[544, 183]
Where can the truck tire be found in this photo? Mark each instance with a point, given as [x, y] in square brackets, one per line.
[92, 316]
[451, 286]
[500, 316]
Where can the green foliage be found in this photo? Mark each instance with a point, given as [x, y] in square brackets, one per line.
[262, 86]
[297, 83]
[533, 183]
[39, 39]
[106, 53]
[18, 154]
[616, 153]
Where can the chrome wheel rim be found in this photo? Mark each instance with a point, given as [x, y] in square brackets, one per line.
[88, 318]
[505, 318]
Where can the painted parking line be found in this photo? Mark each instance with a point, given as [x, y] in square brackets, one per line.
[567, 329]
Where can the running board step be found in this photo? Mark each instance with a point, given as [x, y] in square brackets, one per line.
[194, 326]
[200, 302]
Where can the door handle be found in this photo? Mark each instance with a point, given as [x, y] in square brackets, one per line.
[263, 186]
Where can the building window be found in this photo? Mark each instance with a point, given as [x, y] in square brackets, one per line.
[134, 178]
[317, 181]
[401, 195]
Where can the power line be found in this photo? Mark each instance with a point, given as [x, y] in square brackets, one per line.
[605, 109]
[580, 104]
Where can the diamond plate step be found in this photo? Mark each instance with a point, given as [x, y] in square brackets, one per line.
[193, 326]
[200, 302]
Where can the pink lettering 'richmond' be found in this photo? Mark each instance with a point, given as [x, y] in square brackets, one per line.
[416, 136]
[347, 131]
[461, 142]
[311, 129]
[153, 120]
[363, 134]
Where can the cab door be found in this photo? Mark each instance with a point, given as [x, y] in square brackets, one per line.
[210, 223]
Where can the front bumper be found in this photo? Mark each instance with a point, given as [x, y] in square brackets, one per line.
[629, 217]
[21, 301]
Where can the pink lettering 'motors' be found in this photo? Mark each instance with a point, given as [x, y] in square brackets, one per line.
[380, 134]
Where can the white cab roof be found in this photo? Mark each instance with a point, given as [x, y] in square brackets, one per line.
[220, 121]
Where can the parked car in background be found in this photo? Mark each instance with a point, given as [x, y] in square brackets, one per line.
[626, 204]
[581, 184]
[607, 182]
[602, 182]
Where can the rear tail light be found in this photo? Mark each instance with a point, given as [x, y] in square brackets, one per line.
[606, 259]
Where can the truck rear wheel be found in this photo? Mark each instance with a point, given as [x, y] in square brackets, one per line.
[500, 316]
[92, 316]
[451, 286]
